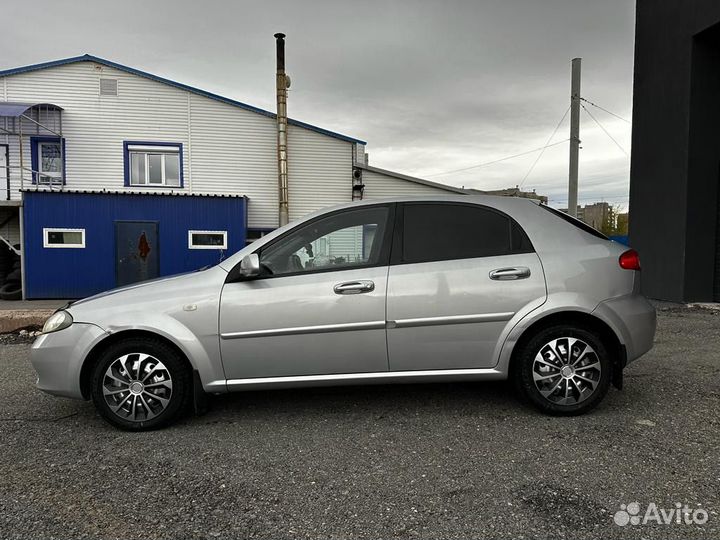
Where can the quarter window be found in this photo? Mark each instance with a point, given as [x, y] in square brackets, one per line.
[154, 165]
[348, 239]
[207, 239]
[436, 232]
[64, 238]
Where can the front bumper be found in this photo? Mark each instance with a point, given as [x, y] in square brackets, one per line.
[634, 320]
[58, 357]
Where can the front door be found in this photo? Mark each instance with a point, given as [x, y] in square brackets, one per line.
[319, 306]
[457, 277]
[137, 255]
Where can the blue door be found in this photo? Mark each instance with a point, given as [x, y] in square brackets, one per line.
[136, 251]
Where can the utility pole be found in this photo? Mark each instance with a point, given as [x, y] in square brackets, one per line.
[282, 82]
[574, 136]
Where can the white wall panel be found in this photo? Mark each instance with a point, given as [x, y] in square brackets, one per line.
[95, 126]
[227, 149]
[379, 185]
[319, 170]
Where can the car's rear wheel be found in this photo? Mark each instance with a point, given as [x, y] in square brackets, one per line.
[141, 384]
[563, 370]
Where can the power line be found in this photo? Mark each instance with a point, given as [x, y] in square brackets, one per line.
[522, 182]
[606, 131]
[604, 109]
[485, 164]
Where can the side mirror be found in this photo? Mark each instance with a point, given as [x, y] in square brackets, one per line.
[250, 265]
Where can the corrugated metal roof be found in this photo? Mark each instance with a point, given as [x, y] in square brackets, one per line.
[127, 69]
[407, 178]
[129, 192]
[15, 109]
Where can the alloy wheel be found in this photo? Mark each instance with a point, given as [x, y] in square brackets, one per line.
[137, 387]
[566, 371]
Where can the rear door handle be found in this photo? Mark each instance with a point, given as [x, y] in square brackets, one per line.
[507, 274]
[354, 287]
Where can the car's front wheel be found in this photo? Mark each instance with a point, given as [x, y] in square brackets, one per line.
[141, 384]
[563, 370]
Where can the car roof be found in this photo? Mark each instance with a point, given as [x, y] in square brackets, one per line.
[497, 201]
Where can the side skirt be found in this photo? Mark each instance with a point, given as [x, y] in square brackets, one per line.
[350, 379]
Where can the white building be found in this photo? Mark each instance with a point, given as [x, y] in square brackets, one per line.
[128, 134]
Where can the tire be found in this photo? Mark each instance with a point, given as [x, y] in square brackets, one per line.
[154, 392]
[11, 291]
[545, 376]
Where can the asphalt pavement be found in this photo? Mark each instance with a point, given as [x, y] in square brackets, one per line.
[416, 461]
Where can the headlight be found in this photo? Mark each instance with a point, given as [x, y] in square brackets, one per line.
[57, 321]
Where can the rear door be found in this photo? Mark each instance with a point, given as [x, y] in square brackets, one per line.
[458, 274]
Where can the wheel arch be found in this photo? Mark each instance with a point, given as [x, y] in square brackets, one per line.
[99, 348]
[576, 318]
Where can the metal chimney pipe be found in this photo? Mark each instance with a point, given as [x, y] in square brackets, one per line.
[281, 85]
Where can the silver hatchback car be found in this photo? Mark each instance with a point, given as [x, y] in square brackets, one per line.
[383, 291]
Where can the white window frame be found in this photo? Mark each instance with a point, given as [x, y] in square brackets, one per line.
[191, 245]
[147, 151]
[46, 238]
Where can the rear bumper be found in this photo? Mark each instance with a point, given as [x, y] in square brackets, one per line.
[634, 320]
[58, 357]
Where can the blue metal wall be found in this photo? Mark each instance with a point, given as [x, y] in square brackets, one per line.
[79, 272]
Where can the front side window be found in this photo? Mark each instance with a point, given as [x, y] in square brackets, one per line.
[437, 232]
[150, 165]
[348, 239]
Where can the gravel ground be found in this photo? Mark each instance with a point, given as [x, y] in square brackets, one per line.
[426, 461]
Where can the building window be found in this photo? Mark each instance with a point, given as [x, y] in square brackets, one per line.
[207, 239]
[48, 160]
[153, 164]
[255, 234]
[64, 238]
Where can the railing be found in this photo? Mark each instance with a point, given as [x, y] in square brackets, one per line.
[14, 179]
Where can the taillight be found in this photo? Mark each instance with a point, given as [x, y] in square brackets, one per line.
[630, 260]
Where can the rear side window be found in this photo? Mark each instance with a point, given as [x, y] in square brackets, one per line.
[437, 232]
[576, 222]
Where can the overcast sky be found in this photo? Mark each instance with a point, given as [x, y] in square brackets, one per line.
[433, 86]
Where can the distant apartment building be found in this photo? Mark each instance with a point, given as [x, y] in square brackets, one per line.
[598, 215]
[621, 224]
[512, 192]
[517, 192]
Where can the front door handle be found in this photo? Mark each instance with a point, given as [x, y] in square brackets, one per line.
[507, 274]
[354, 287]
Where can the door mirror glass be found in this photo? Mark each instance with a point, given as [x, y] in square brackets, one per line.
[250, 265]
